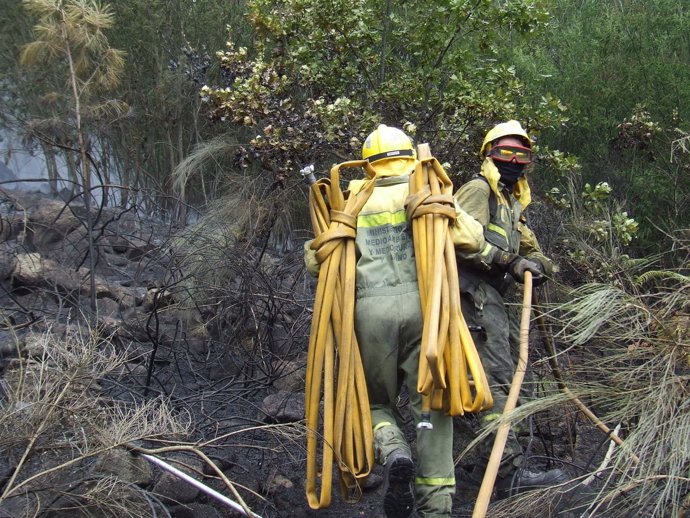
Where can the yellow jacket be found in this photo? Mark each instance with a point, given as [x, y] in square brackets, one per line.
[504, 231]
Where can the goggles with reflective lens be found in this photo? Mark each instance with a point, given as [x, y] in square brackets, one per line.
[503, 153]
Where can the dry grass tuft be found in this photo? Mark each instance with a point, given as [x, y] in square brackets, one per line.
[55, 422]
[629, 351]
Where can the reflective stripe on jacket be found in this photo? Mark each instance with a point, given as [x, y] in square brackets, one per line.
[384, 236]
[385, 258]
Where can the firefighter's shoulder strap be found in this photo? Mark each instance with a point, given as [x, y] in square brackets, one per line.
[493, 201]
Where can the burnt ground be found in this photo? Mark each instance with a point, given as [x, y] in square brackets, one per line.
[543, 452]
[223, 341]
[291, 502]
[558, 438]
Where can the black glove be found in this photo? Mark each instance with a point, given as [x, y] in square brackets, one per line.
[519, 265]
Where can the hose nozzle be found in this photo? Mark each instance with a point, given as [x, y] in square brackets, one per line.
[308, 173]
[425, 422]
[425, 417]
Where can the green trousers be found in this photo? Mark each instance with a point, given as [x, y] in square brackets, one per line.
[496, 334]
[389, 330]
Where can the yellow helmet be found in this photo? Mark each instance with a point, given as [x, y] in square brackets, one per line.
[387, 142]
[504, 129]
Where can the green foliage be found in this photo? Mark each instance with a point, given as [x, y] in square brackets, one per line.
[623, 227]
[166, 61]
[604, 58]
[594, 197]
[651, 173]
[71, 33]
[78, 67]
[594, 242]
[555, 197]
[636, 132]
[621, 68]
[75, 29]
[15, 81]
[167, 46]
[318, 83]
[655, 275]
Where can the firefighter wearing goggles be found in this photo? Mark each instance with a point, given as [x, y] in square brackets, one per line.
[496, 198]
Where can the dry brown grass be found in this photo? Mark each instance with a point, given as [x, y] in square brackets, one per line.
[628, 344]
[55, 423]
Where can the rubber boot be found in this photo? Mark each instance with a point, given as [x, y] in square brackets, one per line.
[523, 480]
[398, 496]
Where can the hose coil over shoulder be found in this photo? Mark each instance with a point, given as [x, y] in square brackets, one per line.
[347, 432]
[334, 367]
[448, 356]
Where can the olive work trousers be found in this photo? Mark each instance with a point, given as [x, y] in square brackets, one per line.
[389, 330]
[496, 333]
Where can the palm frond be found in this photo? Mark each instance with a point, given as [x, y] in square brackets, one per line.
[111, 109]
[35, 52]
[203, 155]
[657, 275]
[634, 370]
[82, 62]
[49, 32]
[111, 68]
[41, 8]
[597, 308]
[95, 15]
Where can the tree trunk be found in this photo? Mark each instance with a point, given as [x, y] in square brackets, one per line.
[86, 177]
[51, 165]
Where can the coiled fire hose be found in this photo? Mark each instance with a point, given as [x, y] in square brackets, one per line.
[484, 495]
[448, 356]
[447, 353]
[333, 354]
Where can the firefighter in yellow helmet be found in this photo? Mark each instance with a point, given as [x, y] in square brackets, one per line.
[496, 198]
[388, 324]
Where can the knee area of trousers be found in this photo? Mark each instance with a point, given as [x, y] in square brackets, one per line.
[386, 433]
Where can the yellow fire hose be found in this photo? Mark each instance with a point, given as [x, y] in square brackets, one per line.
[347, 429]
[482, 503]
[448, 357]
[447, 350]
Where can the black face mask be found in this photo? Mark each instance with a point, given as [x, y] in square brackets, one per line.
[510, 172]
